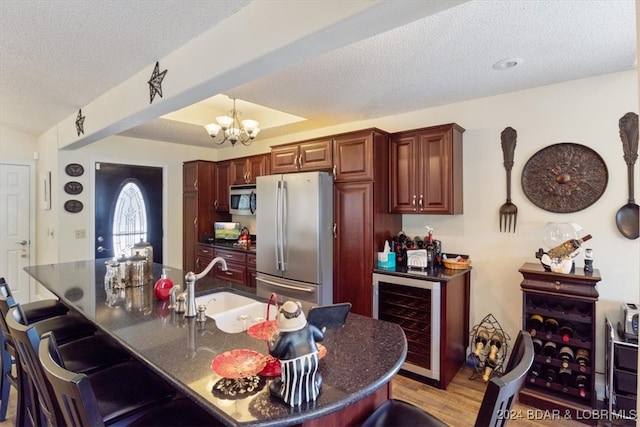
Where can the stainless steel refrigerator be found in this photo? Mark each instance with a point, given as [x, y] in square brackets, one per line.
[294, 224]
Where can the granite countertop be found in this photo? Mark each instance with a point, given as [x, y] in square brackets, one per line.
[438, 274]
[361, 357]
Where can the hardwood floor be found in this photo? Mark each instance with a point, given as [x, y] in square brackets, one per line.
[459, 404]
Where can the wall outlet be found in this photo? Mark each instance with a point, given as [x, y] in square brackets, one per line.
[81, 234]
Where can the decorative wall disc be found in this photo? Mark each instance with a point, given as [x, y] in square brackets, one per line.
[564, 178]
[74, 169]
[73, 187]
[73, 206]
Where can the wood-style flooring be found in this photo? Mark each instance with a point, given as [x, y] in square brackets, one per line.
[459, 404]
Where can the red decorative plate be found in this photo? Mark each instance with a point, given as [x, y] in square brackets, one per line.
[322, 350]
[263, 330]
[238, 363]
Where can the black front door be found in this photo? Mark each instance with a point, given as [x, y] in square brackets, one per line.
[139, 208]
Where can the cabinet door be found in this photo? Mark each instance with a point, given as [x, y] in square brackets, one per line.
[222, 179]
[251, 270]
[189, 230]
[353, 218]
[403, 196]
[189, 176]
[284, 159]
[435, 173]
[204, 255]
[257, 166]
[315, 155]
[353, 157]
[238, 171]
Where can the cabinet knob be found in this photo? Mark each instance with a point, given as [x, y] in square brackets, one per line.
[415, 208]
[420, 202]
[557, 283]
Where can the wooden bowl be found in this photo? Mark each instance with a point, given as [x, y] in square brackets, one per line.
[463, 264]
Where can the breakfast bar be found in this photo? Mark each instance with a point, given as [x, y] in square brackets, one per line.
[361, 358]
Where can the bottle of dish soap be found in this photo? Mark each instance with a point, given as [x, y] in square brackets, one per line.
[163, 286]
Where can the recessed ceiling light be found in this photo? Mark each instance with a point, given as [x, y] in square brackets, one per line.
[505, 64]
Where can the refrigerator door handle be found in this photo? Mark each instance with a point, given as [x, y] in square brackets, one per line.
[283, 225]
[278, 225]
[282, 285]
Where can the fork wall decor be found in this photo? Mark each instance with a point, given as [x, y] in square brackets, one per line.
[508, 211]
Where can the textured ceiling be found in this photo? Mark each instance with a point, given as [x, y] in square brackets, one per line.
[59, 55]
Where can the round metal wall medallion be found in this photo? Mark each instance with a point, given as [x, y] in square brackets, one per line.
[74, 169]
[73, 206]
[564, 178]
[73, 187]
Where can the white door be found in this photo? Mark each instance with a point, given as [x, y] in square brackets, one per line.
[15, 216]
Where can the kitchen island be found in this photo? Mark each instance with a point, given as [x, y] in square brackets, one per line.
[361, 357]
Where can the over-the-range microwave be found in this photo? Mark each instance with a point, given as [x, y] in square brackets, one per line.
[242, 199]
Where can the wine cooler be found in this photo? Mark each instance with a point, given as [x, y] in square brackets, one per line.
[559, 311]
[433, 313]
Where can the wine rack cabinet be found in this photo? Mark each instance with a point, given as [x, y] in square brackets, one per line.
[569, 299]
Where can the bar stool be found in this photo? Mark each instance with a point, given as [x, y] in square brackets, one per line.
[70, 327]
[85, 355]
[120, 394]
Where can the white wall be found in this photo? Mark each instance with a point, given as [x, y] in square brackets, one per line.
[118, 149]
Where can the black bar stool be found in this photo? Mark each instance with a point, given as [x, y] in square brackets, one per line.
[70, 327]
[123, 394]
[85, 355]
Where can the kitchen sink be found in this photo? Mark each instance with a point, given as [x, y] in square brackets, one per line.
[233, 313]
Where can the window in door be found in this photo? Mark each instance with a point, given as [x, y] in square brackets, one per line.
[129, 219]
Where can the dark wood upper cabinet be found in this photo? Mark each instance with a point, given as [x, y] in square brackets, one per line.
[309, 155]
[353, 155]
[426, 171]
[245, 170]
[222, 180]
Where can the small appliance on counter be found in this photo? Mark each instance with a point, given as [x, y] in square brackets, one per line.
[629, 321]
[226, 231]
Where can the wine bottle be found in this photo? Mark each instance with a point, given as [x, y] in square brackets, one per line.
[581, 385]
[495, 344]
[566, 331]
[535, 323]
[549, 376]
[582, 359]
[568, 247]
[431, 250]
[550, 350]
[489, 366]
[566, 356]
[567, 306]
[535, 369]
[481, 340]
[565, 378]
[550, 326]
[537, 345]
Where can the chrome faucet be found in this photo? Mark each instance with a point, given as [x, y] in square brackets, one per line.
[191, 278]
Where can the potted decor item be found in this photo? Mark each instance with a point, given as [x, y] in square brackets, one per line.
[295, 347]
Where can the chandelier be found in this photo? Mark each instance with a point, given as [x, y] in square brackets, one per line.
[233, 129]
